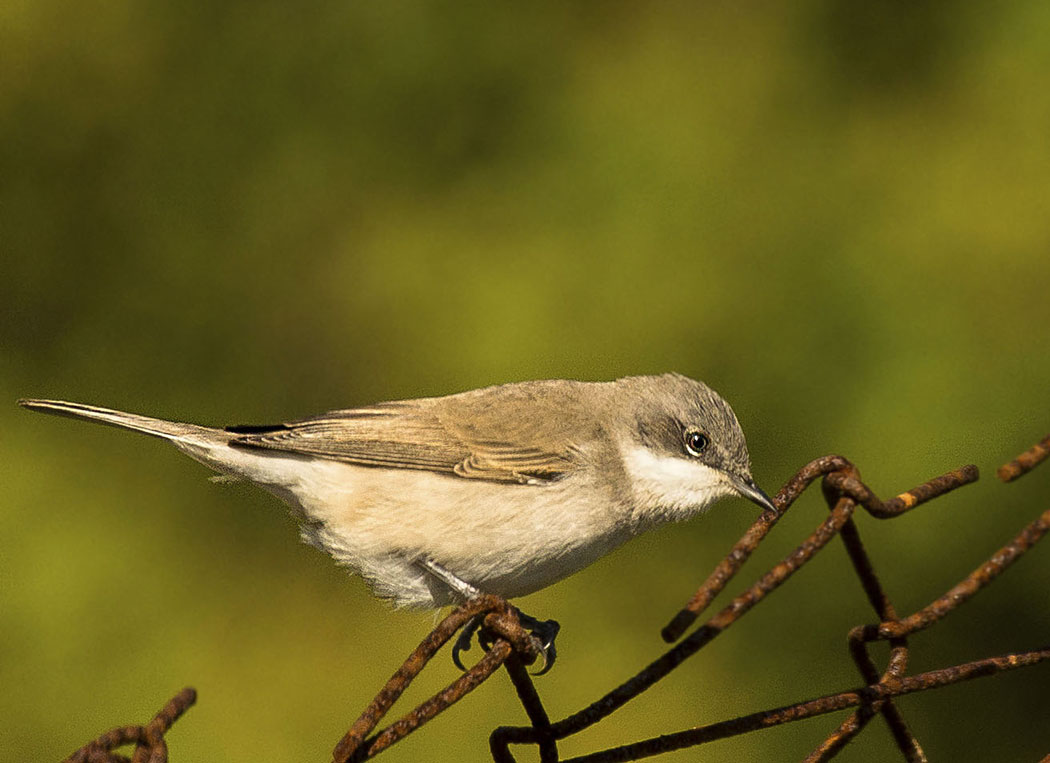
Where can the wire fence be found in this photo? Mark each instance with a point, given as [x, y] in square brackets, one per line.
[150, 746]
[507, 644]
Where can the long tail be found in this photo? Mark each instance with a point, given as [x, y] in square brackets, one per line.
[169, 430]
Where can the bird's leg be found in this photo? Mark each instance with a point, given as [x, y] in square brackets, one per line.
[462, 587]
[467, 591]
[544, 631]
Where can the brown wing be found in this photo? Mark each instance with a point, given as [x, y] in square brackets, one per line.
[434, 434]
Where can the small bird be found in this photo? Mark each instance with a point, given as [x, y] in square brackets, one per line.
[502, 490]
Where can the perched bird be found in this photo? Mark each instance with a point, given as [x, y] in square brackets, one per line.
[501, 490]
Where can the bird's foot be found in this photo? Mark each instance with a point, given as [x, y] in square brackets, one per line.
[542, 632]
[466, 634]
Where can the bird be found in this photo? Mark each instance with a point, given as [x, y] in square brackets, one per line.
[501, 490]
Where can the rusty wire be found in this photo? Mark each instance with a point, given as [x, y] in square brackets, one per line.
[509, 645]
[150, 746]
[1025, 462]
[864, 696]
[507, 638]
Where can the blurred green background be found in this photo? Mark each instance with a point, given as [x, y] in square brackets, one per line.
[837, 215]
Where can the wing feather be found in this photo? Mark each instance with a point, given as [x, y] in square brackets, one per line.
[415, 435]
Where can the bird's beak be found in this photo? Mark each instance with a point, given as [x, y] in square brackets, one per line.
[752, 492]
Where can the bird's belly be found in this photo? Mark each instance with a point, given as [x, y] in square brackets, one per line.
[509, 540]
[546, 567]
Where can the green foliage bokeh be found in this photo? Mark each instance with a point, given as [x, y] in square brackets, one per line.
[837, 215]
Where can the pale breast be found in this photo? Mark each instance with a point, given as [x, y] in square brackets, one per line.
[508, 539]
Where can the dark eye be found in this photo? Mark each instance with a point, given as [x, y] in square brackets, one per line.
[696, 442]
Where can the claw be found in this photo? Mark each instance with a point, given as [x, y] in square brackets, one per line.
[549, 654]
[544, 631]
[462, 644]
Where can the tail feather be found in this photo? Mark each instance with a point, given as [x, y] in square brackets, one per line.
[169, 430]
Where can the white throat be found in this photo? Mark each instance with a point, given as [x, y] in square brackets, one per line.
[667, 488]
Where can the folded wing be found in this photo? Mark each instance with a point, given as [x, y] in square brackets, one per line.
[420, 434]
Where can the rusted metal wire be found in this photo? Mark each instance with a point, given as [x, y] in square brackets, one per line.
[150, 746]
[530, 700]
[898, 662]
[865, 696]
[895, 629]
[840, 476]
[1025, 462]
[734, 560]
[996, 565]
[510, 638]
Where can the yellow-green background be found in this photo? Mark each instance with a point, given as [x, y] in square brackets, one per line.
[837, 214]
